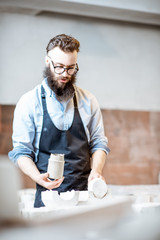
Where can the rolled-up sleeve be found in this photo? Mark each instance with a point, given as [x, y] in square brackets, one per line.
[23, 130]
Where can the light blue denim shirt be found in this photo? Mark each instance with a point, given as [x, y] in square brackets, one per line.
[28, 120]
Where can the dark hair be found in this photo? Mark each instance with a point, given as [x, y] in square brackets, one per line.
[64, 42]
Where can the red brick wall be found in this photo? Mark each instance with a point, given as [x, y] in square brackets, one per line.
[134, 139]
[6, 119]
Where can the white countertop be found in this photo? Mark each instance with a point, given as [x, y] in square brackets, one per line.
[120, 215]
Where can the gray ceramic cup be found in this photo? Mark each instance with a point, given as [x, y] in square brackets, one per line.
[56, 166]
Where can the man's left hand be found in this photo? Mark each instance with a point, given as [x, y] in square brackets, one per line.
[95, 174]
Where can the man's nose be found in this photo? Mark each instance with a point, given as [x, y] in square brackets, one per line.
[65, 73]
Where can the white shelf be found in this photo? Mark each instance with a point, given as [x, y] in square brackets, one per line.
[142, 11]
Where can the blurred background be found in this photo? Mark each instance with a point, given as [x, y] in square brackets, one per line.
[119, 63]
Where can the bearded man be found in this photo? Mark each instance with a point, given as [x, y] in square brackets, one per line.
[58, 117]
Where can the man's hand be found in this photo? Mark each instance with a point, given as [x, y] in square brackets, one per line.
[94, 174]
[27, 165]
[44, 181]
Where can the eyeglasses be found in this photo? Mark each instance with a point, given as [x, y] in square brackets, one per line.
[60, 69]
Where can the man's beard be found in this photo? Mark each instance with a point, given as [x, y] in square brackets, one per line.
[64, 91]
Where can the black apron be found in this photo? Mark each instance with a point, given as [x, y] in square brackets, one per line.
[73, 143]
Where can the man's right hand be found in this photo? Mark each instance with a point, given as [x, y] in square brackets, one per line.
[27, 165]
[44, 181]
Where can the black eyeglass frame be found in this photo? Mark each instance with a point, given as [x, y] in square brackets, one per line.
[65, 68]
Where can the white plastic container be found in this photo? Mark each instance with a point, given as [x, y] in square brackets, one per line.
[56, 166]
[98, 187]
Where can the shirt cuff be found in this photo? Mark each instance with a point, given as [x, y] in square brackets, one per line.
[103, 148]
[18, 152]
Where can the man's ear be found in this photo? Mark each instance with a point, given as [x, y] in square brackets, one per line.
[47, 61]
